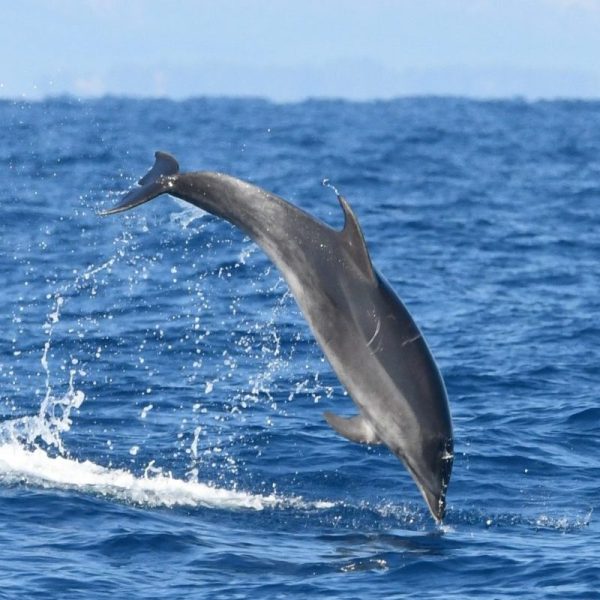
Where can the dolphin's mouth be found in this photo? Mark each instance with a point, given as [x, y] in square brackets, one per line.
[435, 502]
[436, 499]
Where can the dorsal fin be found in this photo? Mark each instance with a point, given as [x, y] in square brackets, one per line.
[355, 241]
[164, 164]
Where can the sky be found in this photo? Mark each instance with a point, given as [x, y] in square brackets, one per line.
[288, 50]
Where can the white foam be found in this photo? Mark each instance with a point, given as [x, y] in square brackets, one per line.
[36, 468]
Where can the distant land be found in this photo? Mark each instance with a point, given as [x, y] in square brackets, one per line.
[348, 79]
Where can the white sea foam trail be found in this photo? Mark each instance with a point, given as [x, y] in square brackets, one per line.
[36, 468]
[32, 452]
[28, 445]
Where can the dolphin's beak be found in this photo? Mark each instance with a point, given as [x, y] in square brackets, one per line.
[436, 504]
[433, 485]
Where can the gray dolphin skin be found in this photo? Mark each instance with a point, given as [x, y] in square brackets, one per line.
[366, 333]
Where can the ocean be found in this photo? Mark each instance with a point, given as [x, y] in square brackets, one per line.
[161, 396]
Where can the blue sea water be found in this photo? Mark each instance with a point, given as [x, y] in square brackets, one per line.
[161, 397]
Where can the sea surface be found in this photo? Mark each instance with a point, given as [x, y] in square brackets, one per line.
[161, 396]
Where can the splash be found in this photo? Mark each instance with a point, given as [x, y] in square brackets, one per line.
[35, 467]
[187, 215]
[32, 450]
[328, 184]
[537, 522]
[54, 416]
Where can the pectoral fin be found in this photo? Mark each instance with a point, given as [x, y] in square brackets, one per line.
[356, 429]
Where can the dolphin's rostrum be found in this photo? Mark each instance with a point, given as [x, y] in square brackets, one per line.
[368, 336]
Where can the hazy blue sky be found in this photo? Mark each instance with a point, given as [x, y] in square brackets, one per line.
[291, 49]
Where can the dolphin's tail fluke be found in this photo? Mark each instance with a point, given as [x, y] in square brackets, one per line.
[158, 180]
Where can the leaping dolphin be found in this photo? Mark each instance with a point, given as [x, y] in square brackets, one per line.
[366, 333]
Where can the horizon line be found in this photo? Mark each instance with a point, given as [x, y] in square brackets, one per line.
[525, 98]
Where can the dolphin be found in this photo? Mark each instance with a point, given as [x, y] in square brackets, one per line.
[366, 333]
